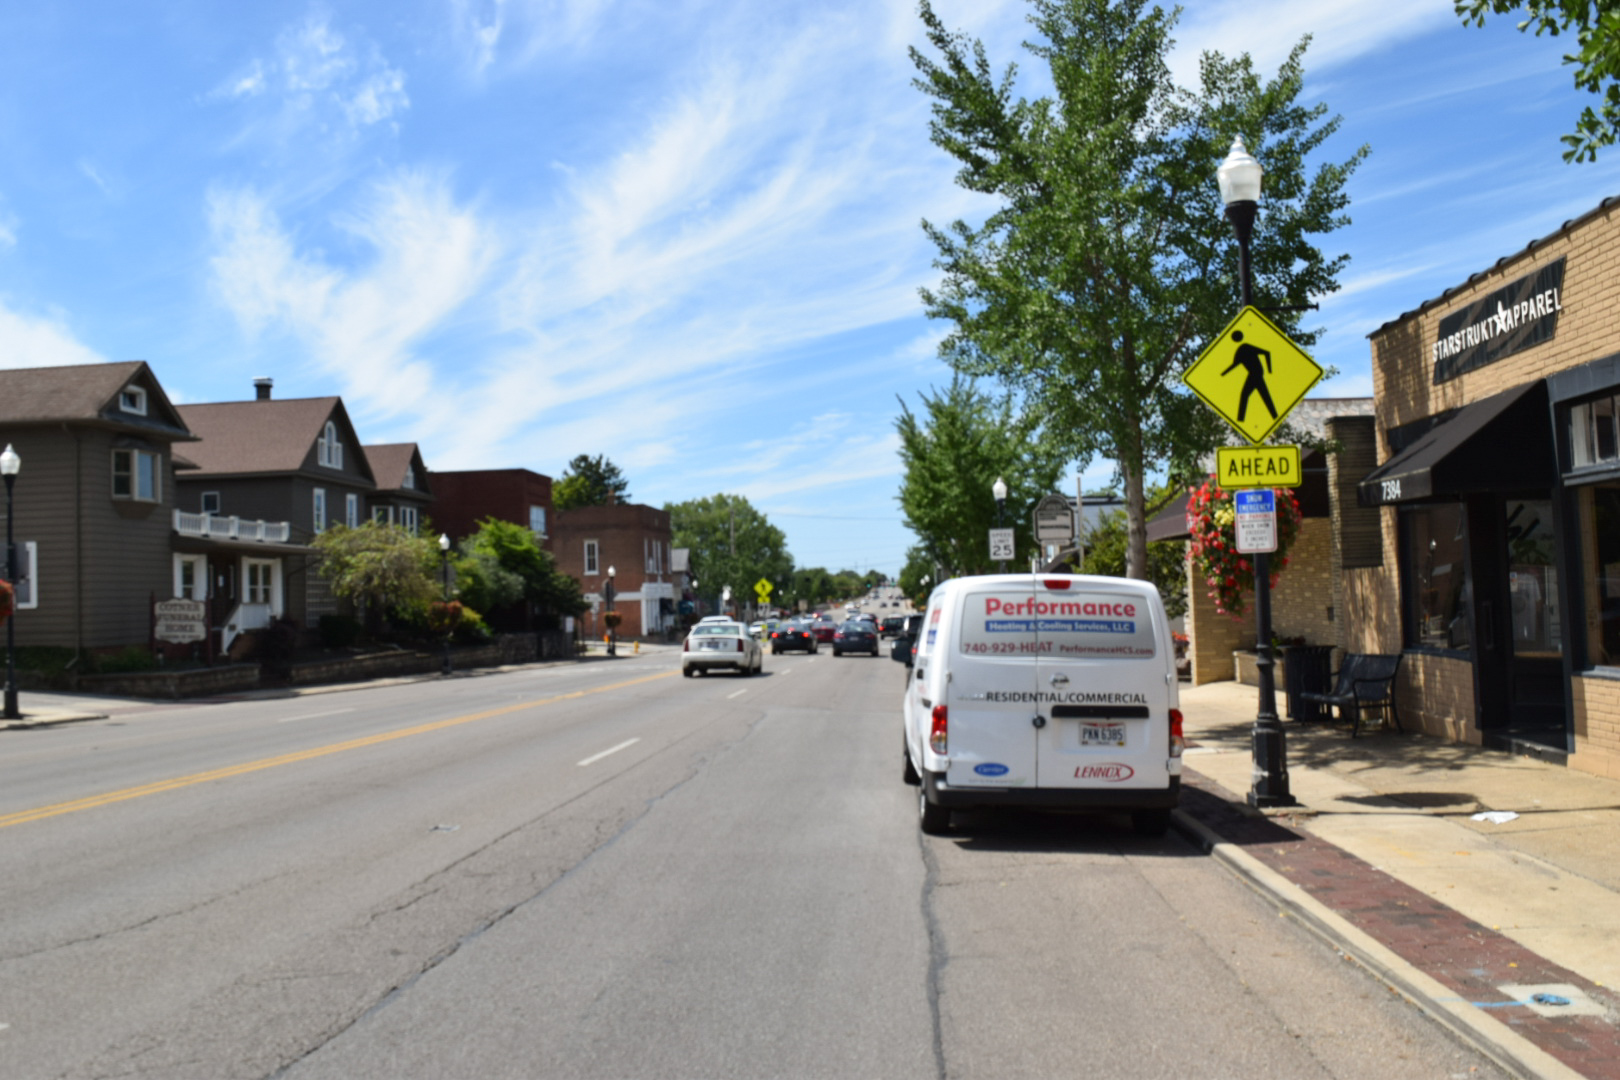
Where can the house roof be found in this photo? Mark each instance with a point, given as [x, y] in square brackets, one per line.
[257, 437]
[86, 393]
[389, 461]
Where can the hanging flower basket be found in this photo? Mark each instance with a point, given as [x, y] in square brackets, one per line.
[1228, 573]
[444, 617]
[8, 600]
[612, 619]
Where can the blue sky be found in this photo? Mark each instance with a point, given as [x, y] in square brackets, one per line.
[680, 233]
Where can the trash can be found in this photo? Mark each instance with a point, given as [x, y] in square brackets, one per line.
[1308, 669]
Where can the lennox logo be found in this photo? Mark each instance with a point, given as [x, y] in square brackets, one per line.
[1110, 772]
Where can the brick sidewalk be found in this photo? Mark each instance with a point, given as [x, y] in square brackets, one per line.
[1459, 953]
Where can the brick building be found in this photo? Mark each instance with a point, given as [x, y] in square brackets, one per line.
[632, 540]
[462, 499]
[1496, 568]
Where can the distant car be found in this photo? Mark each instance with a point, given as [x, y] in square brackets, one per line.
[724, 645]
[824, 629]
[856, 635]
[795, 634]
[761, 630]
[715, 619]
[891, 626]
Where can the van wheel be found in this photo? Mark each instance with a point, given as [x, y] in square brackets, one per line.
[911, 776]
[686, 671]
[1150, 822]
[934, 819]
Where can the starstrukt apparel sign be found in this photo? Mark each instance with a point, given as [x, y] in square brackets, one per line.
[1514, 317]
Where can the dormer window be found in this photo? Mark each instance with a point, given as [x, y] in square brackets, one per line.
[132, 399]
[410, 478]
[328, 450]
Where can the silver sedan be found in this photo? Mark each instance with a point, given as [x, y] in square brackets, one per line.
[712, 646]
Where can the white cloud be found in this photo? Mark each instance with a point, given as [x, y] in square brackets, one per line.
[28, 341]
[362, 324]
[315, 76]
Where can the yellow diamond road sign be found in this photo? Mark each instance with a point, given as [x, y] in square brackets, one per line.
[762, 588]
[1252, 375]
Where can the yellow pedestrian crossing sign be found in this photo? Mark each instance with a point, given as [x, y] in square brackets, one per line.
[1252, 375]
[762, 589]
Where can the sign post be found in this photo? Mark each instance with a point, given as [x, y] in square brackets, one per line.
[1252, 376]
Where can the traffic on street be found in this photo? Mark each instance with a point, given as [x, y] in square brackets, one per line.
[602, 870]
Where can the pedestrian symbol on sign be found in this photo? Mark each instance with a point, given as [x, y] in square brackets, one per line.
[1248, 357]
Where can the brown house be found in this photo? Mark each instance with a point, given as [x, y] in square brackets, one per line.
[403, 493]
[94, 501]
[633, 541]
[296, 461]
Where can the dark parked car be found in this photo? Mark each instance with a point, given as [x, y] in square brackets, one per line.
[892, 626]
[856, 635]
[793, 634]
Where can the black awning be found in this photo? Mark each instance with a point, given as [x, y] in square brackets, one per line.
[1501, 443]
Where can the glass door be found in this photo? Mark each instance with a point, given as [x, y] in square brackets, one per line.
[1535, 624]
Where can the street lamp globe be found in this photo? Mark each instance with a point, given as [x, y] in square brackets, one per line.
[1239, 175]
[444, 542]
[10, 463]
[999, 488]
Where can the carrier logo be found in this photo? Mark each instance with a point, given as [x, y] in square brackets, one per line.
[1110, 772]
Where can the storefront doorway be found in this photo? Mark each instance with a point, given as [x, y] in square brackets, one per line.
[1518, 624]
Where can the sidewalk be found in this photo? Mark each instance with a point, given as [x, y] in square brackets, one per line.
[1467, 918]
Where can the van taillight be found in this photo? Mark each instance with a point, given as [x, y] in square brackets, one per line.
[1057, 584]
[1178, 741]
[938, 738]
[686, 646]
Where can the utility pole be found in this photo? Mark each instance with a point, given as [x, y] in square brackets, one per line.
[731, 514]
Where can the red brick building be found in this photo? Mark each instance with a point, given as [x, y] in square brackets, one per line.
[634, 541]
[462, 499]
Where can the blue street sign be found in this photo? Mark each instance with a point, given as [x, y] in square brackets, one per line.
[1260, 501]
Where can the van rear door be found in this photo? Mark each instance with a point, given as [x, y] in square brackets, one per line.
[992, 689]
[1102, 687]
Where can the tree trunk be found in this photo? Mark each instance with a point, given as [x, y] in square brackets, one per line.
[1136, 561]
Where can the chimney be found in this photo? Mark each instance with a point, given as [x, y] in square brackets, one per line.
[261, 388]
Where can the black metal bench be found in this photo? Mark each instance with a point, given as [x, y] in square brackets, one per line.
[1365, 681]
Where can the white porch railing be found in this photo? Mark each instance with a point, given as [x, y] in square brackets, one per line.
[231, 528]
[245, 617]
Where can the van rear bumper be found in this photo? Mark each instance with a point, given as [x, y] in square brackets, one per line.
[961, 798]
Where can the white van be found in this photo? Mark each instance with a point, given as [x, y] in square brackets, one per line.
[1050, 690]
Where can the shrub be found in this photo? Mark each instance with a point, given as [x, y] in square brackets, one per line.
[134, 658]
[338, 631]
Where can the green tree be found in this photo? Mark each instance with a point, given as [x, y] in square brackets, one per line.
[503, 564]
[380, 567]
[917, 576]
[1597, 38]
[731, 543]
[953, 456]
[1167, 560]
[590, 481]
[1106, 261]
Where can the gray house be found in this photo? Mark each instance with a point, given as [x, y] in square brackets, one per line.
[94, 501]
[403, 492]
[296, 461]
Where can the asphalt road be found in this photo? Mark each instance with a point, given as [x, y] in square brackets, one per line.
[604, 870]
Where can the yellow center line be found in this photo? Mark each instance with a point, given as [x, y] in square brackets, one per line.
[91, 802]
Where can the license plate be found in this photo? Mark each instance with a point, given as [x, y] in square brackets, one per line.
[1102, 734]
[714, 644]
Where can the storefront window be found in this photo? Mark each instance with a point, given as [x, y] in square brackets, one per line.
[1434, 581]
[1533, 579]
[1593, 439]
[1599, 510]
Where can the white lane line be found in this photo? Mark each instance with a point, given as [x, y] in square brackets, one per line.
[788, 670]
[313, 715]
[739, 693]
[594, 758]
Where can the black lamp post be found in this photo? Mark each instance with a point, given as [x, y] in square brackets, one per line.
[444, 562]
[10, 464]
[613, 629]
[1239, 177]
[999, 490]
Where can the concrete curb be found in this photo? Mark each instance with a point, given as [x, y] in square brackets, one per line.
[48, 719]
[1509, 1050]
